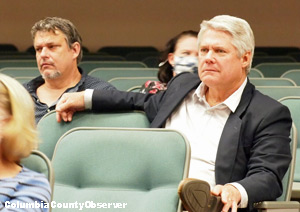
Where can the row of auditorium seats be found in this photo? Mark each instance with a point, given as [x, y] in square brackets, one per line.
[268, 69]
[147, 54]
[124, 50]
[133, 73]
[151, 59]
[109, 50]
[114, 158]
[117, 158]
[150, 55]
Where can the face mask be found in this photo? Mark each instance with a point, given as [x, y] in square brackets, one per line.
[185, 64]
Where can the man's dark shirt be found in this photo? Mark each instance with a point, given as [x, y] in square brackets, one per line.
[86, 82]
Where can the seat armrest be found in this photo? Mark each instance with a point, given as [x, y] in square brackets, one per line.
[277, 206]
[296, 190]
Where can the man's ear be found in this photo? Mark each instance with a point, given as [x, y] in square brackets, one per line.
[246, 59]
[76, 49]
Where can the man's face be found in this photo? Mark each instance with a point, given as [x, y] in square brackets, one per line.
[53, 55]
[219, 63]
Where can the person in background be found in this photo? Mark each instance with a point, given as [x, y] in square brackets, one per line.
[180, 55]
[240, 148]
[18, 137]
[58, 47]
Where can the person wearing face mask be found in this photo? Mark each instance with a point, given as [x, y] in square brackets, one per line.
[180, 55]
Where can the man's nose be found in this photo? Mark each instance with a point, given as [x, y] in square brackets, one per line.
[44, 52]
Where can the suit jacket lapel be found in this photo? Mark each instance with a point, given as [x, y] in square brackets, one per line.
[174, 96]
[229, 141]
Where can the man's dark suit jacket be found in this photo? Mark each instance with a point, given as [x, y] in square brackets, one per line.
[254, 146]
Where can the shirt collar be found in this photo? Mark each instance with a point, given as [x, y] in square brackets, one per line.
[231, 102]
[38, 81]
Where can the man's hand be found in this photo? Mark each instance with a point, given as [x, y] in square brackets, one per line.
[230, 196]
[68, 104]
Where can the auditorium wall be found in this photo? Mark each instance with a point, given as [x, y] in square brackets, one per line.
[148, 22]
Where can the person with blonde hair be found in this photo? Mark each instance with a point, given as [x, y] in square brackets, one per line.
[18, 137]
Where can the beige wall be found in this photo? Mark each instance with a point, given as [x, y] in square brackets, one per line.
[149, 22]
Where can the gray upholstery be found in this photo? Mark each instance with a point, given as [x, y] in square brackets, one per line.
[88, 66]
[109, 73]
[140, 168]
[276, 69]
[278, 92]
[293, 103]
[50, 130]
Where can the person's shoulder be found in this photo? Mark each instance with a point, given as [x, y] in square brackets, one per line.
[97, 83]
[35, 183]
[184, 78]
[265, 103]
[28, 174]
[264, 99]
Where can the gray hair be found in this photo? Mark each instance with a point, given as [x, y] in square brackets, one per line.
[67, 27]
[243, 38]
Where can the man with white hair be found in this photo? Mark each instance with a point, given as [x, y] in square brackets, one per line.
[239, 137]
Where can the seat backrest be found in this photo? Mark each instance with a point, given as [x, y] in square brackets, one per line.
[135, 88]
[255, 73]
[277, 50]
[50, 130]
[124, 50]
[17, 63]
[293, 103]
[31, 72]
[151, 62]
[287, 181]
[270, 81]
[272, 59]
[23, 80]
[39, 162]
[276, 69]
[295, 55]
[140, 56]
[293, 74]
[101, 57]
[8, 47]
[88, 66]
[125, 83]
[16, 56]
[138, 168]
[109, 73]
[278, 92]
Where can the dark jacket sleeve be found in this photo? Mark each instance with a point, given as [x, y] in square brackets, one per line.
[115, 100]
[267, 146]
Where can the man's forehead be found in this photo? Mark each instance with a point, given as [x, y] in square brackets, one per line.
[48, 36]
[55, 32]
[216, 37]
